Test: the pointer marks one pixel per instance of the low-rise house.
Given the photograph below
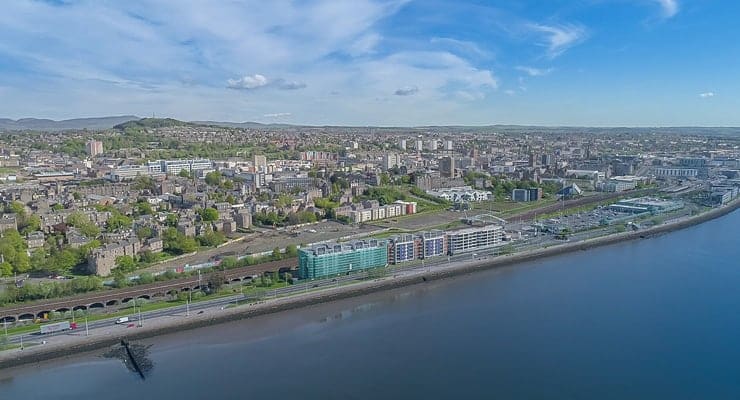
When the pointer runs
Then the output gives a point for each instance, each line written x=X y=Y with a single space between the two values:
x=75 y=239
x=103 y=259
x=35 y=240
x=8 y=221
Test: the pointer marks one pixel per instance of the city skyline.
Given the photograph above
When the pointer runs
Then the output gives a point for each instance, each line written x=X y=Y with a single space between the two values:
x=386 y=63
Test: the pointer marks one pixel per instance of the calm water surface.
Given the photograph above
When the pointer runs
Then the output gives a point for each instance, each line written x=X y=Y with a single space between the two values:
x=657 y=318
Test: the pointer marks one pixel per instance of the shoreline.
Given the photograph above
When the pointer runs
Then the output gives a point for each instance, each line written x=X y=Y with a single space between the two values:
x=37 y=354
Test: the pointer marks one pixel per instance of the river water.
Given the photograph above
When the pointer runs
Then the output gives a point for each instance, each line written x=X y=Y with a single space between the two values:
x=656 y=318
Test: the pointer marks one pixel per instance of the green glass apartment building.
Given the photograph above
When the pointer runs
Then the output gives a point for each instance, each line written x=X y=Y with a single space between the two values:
x=322 y=260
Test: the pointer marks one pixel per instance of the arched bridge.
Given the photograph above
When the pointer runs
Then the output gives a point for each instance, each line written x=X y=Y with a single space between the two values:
x=117 y=297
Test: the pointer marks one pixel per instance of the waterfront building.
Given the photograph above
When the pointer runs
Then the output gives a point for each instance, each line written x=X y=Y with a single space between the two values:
x=474 y=239
x=324 y=260
x=402 y=248
x=646 y=204
x=433 y=244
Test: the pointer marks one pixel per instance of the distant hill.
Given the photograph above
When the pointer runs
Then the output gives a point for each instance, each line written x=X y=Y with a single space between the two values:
x=152 y=123
x=243 y=124
x=37 y=124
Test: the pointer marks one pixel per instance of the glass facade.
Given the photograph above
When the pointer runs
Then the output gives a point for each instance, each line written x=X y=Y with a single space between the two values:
x=327 y=260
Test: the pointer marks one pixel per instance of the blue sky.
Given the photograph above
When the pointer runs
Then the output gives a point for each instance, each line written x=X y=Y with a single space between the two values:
x=375 y=62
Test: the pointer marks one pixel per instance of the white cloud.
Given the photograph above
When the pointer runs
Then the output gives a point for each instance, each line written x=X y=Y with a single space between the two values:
x=406 y=91
x=289 y=85
x=248 y=82
x=668 y=7
x=706 y=95
x=463 y=47
x=364 y=45
x=510 y=92
x=277 y=115
x=559 y=38
x=531 y=71
x=257 y=81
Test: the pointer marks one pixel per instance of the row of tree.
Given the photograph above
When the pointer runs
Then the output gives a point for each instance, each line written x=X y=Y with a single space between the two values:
x=50 y=290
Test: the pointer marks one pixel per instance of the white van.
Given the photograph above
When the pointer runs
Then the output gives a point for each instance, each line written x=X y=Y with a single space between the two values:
x=122 y=320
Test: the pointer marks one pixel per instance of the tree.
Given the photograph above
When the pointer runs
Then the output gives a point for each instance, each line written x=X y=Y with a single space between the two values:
x=148 y=257
x=6 y=269
x=213 y=178
x=183 y=173
x=385 y=180
x=125 y=263
x=118 y=221
x=146 y=277
x=81 y=222
x=17 y=208
x=276 y=254
x=215 y=281
x=77 y=195
x=143 y=208
x=119 y=278
x=209 y=214
x=143 y=182
x=211 y=239
x=229 y=262
x=144 y=232
x=188 y=245
x=172 y=220
x=57 y=207
x=13 y=250
x=291 y=250
x=32 y=224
